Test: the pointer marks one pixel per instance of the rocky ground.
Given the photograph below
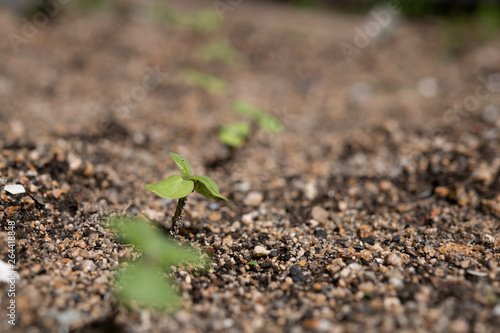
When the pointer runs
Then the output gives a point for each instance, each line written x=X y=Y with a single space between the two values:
x=376 y=210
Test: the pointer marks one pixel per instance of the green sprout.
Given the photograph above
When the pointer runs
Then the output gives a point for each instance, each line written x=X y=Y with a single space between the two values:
x=143 y=282
x=220 y=50
x=208 y=82
x=179 y=187
x=235 y=133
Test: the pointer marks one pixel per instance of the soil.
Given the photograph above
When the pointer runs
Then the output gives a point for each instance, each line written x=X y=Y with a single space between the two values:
x=378 y=209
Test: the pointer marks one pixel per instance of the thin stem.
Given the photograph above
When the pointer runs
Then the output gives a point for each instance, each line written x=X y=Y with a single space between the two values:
x=177 y=218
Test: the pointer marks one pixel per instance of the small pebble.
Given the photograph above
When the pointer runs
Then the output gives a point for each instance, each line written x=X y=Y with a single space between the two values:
x=320 y=233
x=319 y=214
x=56 y=193
x=253 y=198
x=260 y=251
x=296 y=274
x=394 y=259
x=442 y=191
x=342 y=206
x=487 y=239
x=310 y=191
x=14 y=189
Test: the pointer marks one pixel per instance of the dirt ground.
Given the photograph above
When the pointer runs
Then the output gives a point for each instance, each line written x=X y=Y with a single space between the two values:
x=378 y=205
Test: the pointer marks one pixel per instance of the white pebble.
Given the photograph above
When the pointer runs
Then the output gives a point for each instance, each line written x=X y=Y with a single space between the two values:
x=253 y=198
x=428 y=87
x=260 y=251
x=14 y=189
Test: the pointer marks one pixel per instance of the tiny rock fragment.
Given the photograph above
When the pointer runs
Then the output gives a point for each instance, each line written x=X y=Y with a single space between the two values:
x=260 y=251
x=347 y=253
x=56 y=193
x=454 y=247
x=296 y=274
x=391 y=303
x=335 y=266
x=442 y=191
x=247 y=219
x=402 y=208
x=459 y=195
x=316 y=286
x=24 y=180
x=311 y=324
x=482 y=174
x=487 y=239
x=364 y=231
x=384 y=185
x=27 y=202
x=11 y=211
x=342 y=205
x=394 y=259
x=14 y=189
x=215 y=217
x=365 y=255
x=310 y=191
x=477 y=273
x=74 y=162
x=253 y=198
x=319 y=214
x=89 y=169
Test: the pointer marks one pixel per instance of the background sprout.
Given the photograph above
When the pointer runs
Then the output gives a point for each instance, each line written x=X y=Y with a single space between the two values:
x=234 y=134
x=179 y=187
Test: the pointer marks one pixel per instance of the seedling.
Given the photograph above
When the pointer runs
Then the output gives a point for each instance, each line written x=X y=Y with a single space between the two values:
x=221 y=51
x=205 y=81
x=179 y=187
x=234 y=134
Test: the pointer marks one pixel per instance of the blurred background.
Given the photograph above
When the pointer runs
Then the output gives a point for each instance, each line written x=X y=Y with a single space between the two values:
x=143 y=70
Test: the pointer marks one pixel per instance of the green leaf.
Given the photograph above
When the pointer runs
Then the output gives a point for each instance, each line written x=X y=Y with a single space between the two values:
x=253 y=262
x=207 y=187
x=204 y=21
x=270 y=123
x=183 y=165
x=174 y=187
x=218 y=51
x=143 y=284
x=246 y=109
x=153 y=243
x=234 y=134
x=205 y=81
x=263 y=119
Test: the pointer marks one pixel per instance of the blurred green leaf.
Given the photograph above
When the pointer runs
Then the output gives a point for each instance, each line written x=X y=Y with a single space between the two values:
x=234 y=134
x=207 y=187
x=270 y=123
x=263 y=119
x=143 y=284
x=246 y=109
x=218 y=51
x=153 y=243
x=205 y=81
x=205 y=21
x=174 y=187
